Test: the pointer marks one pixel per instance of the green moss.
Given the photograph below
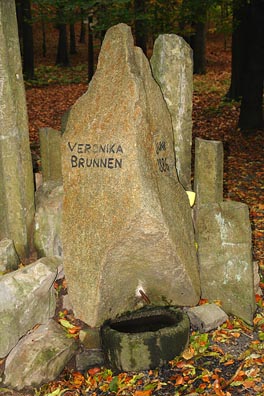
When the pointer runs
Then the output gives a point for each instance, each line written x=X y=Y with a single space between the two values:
x=45 y=356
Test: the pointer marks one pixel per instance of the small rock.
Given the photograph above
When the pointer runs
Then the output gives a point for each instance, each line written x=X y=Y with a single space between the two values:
x=43 y=354
x=206 y=317
x=90 y=338
x=89 y=358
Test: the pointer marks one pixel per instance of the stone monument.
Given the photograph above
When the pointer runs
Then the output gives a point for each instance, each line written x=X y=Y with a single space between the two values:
x=16 y=174
x=126 y=225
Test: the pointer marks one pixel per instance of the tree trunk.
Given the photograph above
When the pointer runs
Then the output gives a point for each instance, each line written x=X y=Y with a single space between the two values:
x=251 y=111
x=62 y=51
x=140 y=25
x=90 y=50
x=82 y=31
x=238 y=50
x=198 y=44
x=44 y=45
x=72 y=40
x=27 y=39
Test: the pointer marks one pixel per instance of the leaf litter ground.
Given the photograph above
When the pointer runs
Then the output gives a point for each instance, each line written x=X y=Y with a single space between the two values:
x=228 y=361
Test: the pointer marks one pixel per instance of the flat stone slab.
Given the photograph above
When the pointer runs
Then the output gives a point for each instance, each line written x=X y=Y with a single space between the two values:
x=39 y=357
x=126 y=223
x=206 y=317
x=223 y=233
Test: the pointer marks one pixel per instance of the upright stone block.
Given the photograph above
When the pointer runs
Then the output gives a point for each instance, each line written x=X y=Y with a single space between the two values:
x=50 y=151
x=126 y=222
x=16 y=175
x=225 y=257
x=208 y=173
x=172 y=67
x=47 y=226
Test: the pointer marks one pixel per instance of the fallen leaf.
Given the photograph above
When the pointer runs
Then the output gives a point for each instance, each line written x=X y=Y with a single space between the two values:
x=94 y=370
x=143 y=393
x=229 y=363
x=188 y=353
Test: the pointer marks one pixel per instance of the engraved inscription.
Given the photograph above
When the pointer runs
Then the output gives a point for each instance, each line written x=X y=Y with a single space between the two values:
x=161 y=151
x=96 y=155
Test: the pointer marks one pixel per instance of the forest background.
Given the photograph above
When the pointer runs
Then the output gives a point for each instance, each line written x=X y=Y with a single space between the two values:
x=192 y=19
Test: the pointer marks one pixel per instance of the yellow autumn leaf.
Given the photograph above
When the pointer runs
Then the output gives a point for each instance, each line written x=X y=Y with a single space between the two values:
x=188 y=353
x=191 y=196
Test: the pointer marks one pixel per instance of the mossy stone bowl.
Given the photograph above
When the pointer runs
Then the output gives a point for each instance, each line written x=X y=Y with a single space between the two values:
x=145 y=339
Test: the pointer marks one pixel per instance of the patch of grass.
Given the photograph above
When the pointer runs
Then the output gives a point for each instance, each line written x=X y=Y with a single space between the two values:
x=50 y=75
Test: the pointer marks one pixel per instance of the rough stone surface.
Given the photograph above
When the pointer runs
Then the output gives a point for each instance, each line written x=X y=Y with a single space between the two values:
x=16 y=174
x=208 y=173
x=172 y=68
x=8 y=256
x=50 y=152
x=89 y=358
x=225 y=257
x=66 y=303
x=42 y=354
x=125 y=214
x=27 y=298
x=47 y=226
x=206 y=317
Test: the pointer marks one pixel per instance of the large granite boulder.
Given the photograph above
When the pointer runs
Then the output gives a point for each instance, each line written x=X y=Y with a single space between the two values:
x=27 y=298
x=127 y=226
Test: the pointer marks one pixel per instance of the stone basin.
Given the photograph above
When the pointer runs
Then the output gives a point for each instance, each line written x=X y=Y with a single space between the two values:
x=145 y=339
